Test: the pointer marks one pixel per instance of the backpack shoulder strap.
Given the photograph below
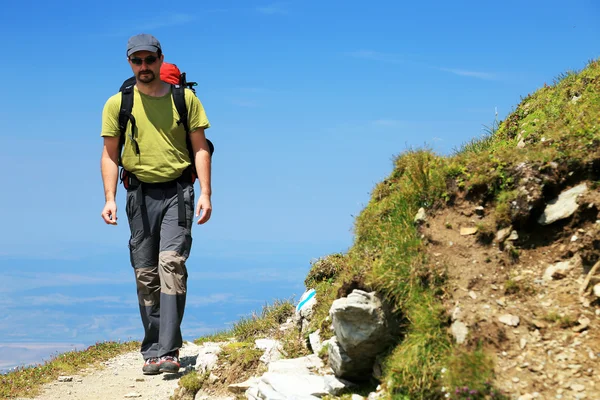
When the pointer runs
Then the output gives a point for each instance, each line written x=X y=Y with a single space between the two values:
x=125 y=116
x=179 y=100
x=181 y=106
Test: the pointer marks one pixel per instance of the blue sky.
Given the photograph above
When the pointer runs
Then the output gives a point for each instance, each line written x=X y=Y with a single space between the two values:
x=309 y=102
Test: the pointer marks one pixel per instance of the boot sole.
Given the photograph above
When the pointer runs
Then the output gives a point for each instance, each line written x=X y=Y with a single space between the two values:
x=171 y=368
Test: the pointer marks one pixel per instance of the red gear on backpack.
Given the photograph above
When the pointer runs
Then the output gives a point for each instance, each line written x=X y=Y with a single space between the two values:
x=170 y=73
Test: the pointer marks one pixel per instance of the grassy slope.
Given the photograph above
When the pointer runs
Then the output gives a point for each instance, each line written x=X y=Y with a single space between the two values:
x=558 y=129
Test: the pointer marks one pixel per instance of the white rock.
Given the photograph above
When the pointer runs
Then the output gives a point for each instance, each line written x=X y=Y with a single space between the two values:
x=502 y=234
x=272 y=350
x=315 y=341
x=563 y=206
x=357 y=397
x=460 y=331
x=306 y=304
x=302 y=385
x=597 y=290
x=472 y=295
x=508 y=319
x=421 y=216
x=514 y=235
x=297 y=365
x=560 y=270
x=239 y=388
x=577 y=387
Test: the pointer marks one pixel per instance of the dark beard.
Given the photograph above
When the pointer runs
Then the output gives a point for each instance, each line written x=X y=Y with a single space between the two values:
x=146 y=76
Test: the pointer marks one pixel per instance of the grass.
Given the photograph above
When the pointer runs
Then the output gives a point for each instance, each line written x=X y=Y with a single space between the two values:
x=27 y=381
x=562 y=320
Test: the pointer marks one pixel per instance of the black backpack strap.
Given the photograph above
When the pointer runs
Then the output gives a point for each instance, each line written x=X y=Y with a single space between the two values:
x=125 y=116
x=180 y=105
x=179 y=100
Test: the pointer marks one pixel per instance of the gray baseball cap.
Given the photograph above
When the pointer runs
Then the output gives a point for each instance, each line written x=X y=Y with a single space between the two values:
x=141 y=42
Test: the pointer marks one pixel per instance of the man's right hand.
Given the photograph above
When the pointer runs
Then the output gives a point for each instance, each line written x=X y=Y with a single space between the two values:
x=109 y=213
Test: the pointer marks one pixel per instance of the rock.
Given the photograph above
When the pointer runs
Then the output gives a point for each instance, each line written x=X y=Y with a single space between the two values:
x=306 y=303
x=132 y=395
x=561 y=269
x=526 y=396
x=522 y=343
x=240 y=388
x=421 y=216
x=459 y=331
x=597 y=290
x=207 y=356
x=584 y=323
x=212 y=378
x=65 y=379
x=502 y=234
x=563 y=206
x=472 y=295
x=272 y=350
x=456 y=313
x=315 y=341
x=301 y=386
x=363 y=329
x=577 y=387
x=514 y=235
x=304 y=365
x=357 y=397
x=508 y=319
x=468 y=230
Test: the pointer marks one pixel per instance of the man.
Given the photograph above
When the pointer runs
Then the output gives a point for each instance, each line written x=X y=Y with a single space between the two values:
x=160 y=196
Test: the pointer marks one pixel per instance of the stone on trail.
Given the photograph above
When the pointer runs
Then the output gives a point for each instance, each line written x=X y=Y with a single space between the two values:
x=508 y=319
x=468 y=230
x=132 y=395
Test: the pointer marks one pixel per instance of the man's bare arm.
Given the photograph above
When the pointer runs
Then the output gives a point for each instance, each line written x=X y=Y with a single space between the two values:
x=110 y=173
x=203 y=170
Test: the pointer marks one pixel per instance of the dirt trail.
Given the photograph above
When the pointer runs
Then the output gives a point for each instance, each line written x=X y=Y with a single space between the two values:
x=121 y=378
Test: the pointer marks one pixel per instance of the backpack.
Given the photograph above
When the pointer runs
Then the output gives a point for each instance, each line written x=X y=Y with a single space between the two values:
x=170 y=74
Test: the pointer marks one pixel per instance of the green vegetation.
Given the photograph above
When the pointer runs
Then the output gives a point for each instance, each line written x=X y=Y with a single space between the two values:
x=564 y=321
x=27 y=381
x=551 y=133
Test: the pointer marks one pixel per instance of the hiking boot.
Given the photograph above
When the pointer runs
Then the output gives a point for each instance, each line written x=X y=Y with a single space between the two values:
x=170 y=363
x=151 y=366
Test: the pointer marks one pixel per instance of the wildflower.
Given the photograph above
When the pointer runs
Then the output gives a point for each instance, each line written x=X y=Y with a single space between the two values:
x=443 y=388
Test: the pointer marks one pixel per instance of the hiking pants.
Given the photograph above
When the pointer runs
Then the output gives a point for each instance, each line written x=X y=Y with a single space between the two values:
x=159 y=247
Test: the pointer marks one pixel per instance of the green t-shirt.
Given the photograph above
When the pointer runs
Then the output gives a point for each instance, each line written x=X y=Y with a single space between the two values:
x=163 y=149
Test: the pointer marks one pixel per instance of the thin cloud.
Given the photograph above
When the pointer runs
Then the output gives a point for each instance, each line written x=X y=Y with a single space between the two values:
x=273 y=9
x=395 y=59
x=62 y=300
x=471 y=74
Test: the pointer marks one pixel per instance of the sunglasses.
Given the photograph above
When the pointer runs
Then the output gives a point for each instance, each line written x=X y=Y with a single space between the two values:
x=148 y=60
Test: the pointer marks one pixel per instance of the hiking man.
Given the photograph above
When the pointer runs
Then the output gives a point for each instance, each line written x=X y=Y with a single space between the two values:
x=157 y=172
